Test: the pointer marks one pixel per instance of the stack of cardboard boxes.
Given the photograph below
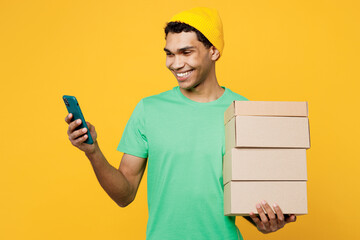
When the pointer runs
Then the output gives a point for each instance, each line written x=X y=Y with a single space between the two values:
x=265 y=156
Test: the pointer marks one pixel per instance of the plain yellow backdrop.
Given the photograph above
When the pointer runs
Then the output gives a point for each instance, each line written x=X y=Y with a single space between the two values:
x=109 y=54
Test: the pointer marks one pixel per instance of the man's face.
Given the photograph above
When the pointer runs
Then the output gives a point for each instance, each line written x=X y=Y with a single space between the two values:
x=187 y=58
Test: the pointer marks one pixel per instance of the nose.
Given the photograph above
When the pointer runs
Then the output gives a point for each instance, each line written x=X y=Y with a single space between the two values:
x=177 y=63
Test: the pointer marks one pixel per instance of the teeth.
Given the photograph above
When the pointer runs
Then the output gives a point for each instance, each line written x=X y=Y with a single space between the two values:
x=183 y=74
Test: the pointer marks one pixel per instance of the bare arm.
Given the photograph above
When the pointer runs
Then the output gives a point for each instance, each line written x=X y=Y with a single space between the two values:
x=120 y=184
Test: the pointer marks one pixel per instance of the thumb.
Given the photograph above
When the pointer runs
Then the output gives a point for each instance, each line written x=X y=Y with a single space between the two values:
x=89 y=125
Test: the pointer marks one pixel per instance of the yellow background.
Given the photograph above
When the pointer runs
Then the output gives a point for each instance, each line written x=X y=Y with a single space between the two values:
x=109 y=55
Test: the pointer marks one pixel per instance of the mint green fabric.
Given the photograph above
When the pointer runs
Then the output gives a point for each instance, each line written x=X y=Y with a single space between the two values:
x=184 y=143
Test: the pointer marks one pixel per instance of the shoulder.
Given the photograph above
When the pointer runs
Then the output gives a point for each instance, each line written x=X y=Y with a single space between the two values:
x=162 y=97
x=236 y=96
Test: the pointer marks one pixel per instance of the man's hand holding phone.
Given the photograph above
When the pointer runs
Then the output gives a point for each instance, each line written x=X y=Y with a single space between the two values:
x=77 y=137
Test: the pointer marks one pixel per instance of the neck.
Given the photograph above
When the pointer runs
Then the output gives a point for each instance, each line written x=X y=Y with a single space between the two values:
x=207 y=91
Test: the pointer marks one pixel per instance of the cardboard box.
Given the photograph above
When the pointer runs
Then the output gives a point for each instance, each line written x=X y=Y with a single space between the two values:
x=241 y=197
x=264 y=164
x=267 y=132
x=266 y=108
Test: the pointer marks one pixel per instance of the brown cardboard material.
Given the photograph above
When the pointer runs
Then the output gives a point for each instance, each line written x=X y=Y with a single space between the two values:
x=241 y=197
x=266 y=108
x=244 y=164
x=267 y=132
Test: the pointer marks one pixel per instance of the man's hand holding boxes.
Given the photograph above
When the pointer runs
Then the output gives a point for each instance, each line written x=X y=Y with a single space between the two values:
x=265 y=156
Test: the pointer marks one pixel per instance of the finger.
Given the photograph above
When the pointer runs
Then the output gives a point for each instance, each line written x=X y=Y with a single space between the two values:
x=263 y=216
x=68 y=118
x=271 y=215
x=257 y=221
x=290 y=219
x=280 y=216
x=73 y=125
x=255 y=218
x=79 y=140
x=74 y=135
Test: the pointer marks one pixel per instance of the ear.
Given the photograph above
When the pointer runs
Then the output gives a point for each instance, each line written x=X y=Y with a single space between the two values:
x=214 y=53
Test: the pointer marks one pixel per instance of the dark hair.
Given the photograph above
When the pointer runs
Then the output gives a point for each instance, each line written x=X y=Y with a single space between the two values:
x=178 y=27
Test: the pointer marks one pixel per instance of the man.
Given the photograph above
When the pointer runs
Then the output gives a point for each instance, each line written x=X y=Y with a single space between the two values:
x=180 y=134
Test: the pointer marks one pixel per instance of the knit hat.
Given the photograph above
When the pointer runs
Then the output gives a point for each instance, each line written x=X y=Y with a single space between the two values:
x=207 y=21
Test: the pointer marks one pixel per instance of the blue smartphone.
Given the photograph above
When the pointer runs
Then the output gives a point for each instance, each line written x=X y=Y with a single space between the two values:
x=73 y=107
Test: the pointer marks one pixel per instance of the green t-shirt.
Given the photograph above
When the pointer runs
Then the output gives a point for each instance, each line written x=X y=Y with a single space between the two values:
x=184 y=142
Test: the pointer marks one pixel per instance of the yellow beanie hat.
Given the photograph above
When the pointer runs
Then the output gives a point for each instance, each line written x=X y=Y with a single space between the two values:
x=207 y=21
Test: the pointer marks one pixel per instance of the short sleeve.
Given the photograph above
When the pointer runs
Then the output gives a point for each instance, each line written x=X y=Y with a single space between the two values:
x=134 y=140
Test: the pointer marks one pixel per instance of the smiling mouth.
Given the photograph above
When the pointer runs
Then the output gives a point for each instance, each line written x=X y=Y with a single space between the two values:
x=184 y=75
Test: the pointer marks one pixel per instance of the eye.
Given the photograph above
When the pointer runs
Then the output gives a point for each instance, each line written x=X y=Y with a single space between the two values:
x=187 y=52
x=168 y=54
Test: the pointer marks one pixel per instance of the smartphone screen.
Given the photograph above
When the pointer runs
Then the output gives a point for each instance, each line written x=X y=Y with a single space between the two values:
x=73 y=107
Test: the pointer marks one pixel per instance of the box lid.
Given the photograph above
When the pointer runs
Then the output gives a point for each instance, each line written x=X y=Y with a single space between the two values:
x=266 y=108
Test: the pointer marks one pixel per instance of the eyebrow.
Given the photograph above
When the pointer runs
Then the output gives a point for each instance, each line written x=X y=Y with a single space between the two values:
x=180 y=49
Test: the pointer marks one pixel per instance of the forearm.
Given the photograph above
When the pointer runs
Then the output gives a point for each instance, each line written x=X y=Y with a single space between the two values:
x=111 y=180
